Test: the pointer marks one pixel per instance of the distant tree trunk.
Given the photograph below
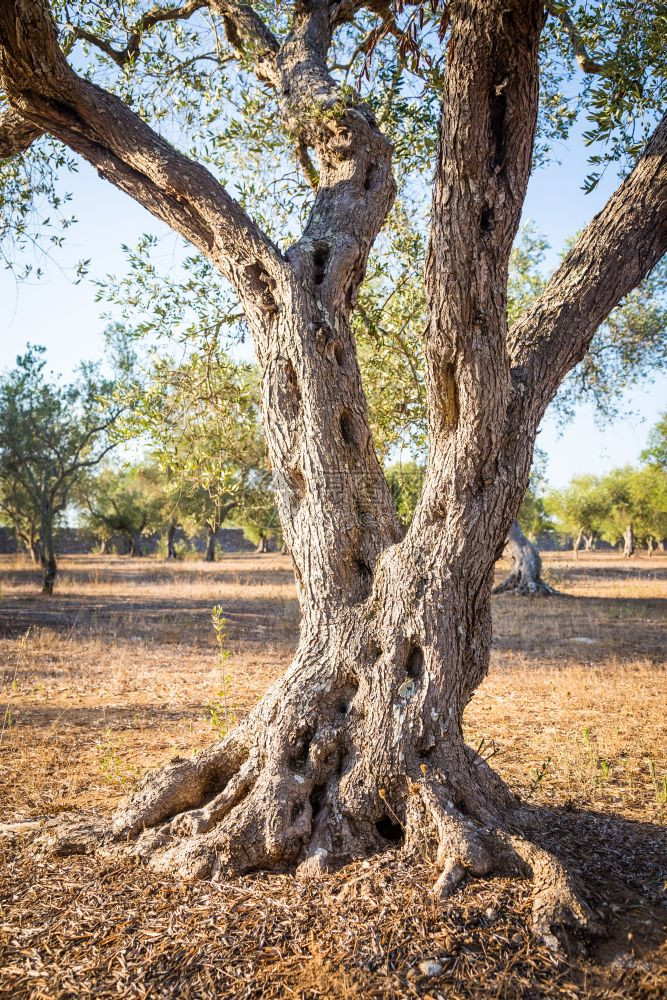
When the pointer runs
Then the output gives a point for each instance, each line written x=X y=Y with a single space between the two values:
x=628 y=542
x=33 y=550
x=171 y=546
x=661 y=545
x=48 y=553
x=210 y=543
x=136 y=545
x=576 y=545
x=650 y=545
x=263 y=544
x=589 y=541
x=525 y=576
x=105 y=545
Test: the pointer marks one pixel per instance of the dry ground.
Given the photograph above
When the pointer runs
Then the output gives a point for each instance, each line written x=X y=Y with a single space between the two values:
x=118 y=672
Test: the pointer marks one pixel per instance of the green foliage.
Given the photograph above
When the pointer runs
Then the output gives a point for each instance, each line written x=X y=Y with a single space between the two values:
x=405 y=481
x=579 y=508
x=606 y=505
x=127 y=501
x=656 y=451
x=51 y=435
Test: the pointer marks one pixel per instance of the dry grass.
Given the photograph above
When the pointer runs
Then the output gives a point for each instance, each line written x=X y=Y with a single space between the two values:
x=116 y=674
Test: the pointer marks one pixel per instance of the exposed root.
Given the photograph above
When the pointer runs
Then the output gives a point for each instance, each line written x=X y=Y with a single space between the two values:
x=465 y=847
x=232 y=810
x=526 y=588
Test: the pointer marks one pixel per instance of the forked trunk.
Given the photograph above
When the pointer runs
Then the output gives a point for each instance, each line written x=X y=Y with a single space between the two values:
x=650 y=545
x=525 y=576
x=263 y=544
x=628 y=541
x=589 y=541
x=359 y=745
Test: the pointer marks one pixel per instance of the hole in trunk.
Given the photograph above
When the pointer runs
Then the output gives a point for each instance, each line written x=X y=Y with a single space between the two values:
x=389 y=829
x=415 y=662
x=461 y=807
x=347 y=427
x=317 y=799
x=368 y=179
x=486 y=219
x=320 y=259
x=301 y=748
x=339 y=354
x=295 y=811
x=346 y=697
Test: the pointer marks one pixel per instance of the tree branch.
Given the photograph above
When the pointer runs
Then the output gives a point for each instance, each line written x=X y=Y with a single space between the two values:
x=610 y=258
x=586 y=63
x=156 y=16
x=43 y=88
x=251 y=37
x=486 y=137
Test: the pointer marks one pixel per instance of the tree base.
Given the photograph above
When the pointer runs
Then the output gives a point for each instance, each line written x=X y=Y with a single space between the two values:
x=216 y=817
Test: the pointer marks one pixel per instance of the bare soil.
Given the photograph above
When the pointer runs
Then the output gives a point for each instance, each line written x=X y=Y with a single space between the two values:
x=119 y=672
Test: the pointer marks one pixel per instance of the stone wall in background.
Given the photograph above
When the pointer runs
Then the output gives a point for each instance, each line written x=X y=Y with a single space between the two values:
x=76 y=541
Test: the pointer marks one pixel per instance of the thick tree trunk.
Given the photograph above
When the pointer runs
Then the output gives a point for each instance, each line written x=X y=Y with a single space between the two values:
x=628 y=541
x=210 y=544
x=171 y=545
x=105 y=545
x=359 y=745
x=525 y=577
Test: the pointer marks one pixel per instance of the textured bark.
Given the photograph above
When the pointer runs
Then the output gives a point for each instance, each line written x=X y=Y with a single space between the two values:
x=360 y=744
x=525 y=577
x=628 y=541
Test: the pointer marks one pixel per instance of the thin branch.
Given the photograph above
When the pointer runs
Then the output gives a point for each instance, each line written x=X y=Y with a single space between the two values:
x=610 y=258
x=586 y=63
x=43 y=88
x=156 y=16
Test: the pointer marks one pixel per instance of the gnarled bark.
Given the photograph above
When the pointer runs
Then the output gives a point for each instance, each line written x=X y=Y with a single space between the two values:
x=525 y=576
x=360 y=745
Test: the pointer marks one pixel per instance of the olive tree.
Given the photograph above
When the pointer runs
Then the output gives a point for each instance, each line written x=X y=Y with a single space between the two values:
x=360 y=744
x=51 y=434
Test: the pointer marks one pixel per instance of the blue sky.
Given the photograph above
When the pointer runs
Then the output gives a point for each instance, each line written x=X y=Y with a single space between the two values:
x=66 y=319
